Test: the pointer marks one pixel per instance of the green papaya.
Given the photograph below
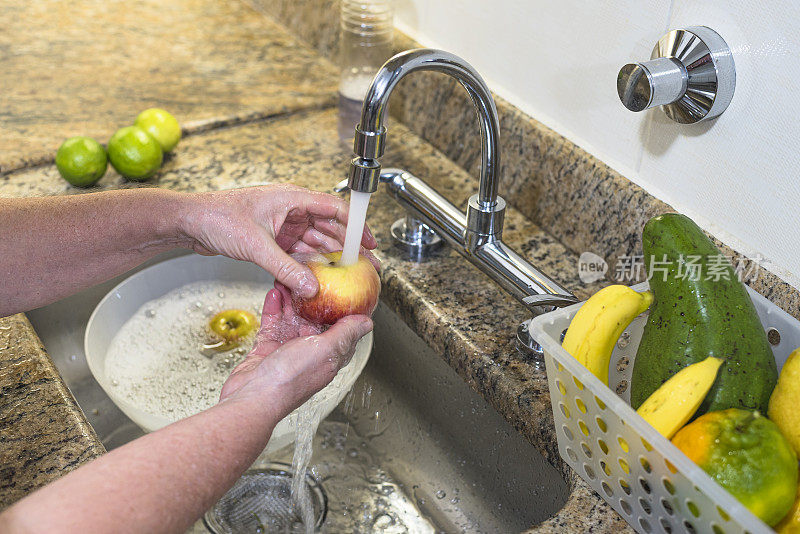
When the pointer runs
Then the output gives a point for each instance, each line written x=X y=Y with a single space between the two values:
x=700 y=309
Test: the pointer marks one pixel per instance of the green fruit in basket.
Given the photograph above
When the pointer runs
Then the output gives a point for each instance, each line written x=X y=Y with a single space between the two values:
x=161 y=125
x=701 y=309
x=81 y=161
x=134 y=153
x=747 y=455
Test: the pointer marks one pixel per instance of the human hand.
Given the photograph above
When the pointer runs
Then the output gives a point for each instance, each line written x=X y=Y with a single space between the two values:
x=292 y=358
x=265 y=224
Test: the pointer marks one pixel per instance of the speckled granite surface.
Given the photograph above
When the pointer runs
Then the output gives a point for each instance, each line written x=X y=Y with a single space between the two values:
x=435 y=298
x=43 y=433
x=88 y=67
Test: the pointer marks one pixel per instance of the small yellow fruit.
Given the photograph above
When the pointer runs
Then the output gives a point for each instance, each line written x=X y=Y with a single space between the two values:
x=161 y=125
x=785 y=400
x=231 y=326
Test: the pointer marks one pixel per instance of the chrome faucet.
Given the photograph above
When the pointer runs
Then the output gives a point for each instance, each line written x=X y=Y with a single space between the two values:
x=475 y=234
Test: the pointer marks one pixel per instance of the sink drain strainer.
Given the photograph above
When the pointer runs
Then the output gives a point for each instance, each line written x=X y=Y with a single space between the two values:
x=261 y=502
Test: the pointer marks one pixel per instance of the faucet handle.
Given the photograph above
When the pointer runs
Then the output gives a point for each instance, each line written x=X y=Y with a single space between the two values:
x=415 y=238
x=691 y=75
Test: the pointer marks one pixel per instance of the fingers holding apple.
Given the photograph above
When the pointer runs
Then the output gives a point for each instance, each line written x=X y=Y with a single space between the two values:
x=343 y=289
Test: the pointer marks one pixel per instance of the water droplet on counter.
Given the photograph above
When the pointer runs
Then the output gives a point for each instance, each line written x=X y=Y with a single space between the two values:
x=454 y=500
x=73 y=357
x=150 y=314
x=198 y=304
x=115 y=382
x=441 y=494
x=221 y=295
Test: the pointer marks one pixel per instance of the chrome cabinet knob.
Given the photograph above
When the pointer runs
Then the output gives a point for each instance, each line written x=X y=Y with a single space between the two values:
x=690 y=74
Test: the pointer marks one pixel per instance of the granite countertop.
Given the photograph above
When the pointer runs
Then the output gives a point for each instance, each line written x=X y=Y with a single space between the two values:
x=89 y=67
x=446 y=300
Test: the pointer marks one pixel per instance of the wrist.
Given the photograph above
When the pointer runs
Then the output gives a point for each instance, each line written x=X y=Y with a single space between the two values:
x=152 y=216
x=265 y=405
x=186 y=214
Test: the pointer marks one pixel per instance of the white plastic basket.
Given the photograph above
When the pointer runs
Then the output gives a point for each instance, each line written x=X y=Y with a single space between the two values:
x=645 y=478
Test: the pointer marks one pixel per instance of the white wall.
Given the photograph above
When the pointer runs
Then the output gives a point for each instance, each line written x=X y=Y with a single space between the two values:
x=557 y=61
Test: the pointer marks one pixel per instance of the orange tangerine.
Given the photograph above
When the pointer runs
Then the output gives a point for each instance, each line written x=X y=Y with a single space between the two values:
x=748 y=456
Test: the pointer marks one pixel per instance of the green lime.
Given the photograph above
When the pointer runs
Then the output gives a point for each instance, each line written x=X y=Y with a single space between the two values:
x=161 y=125
x=134 y=153
x=81 y=161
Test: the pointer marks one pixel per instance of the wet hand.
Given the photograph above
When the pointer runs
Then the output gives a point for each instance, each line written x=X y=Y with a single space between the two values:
x=292 y=359
x=265 y=224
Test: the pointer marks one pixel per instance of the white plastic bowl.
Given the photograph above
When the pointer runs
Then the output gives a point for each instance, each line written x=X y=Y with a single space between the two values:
x=130 y=295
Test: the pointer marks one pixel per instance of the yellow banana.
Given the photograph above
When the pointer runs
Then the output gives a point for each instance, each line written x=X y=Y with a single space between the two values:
x=674 y=403
x=598 y=324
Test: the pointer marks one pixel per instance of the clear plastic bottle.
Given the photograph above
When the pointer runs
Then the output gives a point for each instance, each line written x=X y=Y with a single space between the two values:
x=367 y=31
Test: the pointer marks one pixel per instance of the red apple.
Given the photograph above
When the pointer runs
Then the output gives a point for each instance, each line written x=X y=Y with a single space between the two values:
x=343 y=290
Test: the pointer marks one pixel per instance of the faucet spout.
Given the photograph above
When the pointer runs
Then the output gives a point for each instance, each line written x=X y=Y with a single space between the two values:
x=476 y=233
x=371 y=133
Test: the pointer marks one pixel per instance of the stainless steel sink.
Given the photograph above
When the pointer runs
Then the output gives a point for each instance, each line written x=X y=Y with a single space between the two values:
x=411 y=449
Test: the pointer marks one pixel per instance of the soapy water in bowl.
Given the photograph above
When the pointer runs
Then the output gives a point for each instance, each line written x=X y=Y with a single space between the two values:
x=157 y=362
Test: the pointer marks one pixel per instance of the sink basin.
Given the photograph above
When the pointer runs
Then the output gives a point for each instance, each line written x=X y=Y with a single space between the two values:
x=410 y=449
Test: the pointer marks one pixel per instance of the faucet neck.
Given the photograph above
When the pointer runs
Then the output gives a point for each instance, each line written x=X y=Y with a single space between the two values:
x=371 y=132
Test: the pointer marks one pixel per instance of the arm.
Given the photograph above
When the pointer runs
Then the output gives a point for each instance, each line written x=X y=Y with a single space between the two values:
x=55 y=246
x=164 y=481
